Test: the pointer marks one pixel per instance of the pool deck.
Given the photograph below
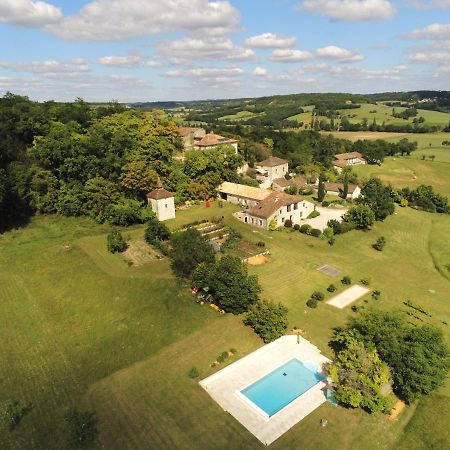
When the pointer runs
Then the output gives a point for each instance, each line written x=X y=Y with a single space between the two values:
x=225 y=387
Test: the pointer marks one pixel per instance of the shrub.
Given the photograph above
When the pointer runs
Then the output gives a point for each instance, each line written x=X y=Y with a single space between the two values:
x=11 y=413
x=193 y=373
x=346 y=280
x=224 y=355
x=296 y=227
x=312 y=303
x=376 y=294
x=314 y=214
x=115 y=242
x=404 y=203
x=233 y=350
x=318 y=295
x=220 y=359
x=379 y=244
x=305 y=229
x=268 y=320
x=156 y=231
x=82 y=428
x=316 y=232
x=331 y=288
x=325 y=204
x=261 y=244
x=288 y=223
x=365 y=281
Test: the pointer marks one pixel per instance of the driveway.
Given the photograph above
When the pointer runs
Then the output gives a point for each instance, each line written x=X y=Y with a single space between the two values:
x=326 y=214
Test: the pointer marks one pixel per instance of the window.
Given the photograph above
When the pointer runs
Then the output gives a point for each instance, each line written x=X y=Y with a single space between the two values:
x=288 y=208
x=166 y=206
x=295 y=205
x=260 y=223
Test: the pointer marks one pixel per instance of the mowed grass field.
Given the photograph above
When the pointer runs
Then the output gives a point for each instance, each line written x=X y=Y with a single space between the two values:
x=82 y=329
x=412 y=170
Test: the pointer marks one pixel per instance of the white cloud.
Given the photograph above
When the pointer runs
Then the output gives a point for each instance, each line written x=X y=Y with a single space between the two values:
x=120 y=61
x=429 y=4
x=28 y=13
x=434 y=31
x=289 y=55
x=48 y=68
x=206 y=72
x=109 y=20
x=350 y=10
x=259 y=71
x=430 y=57
x=270 y=40
x=191 y=50
x=339 y=54
x=391 y=73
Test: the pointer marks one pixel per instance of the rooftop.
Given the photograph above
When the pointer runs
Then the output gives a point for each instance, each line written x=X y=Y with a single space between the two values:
x=214 y=139
x=349 y=155
x=273 y=161
x=297 y=181
x=241 y=190
x=159 y=192
x=339 y=187
x=272 y=203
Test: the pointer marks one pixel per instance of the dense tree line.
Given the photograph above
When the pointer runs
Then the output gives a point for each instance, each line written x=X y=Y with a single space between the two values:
x=73 y=159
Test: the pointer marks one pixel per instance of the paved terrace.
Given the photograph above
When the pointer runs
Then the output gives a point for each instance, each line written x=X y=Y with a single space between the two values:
x=226 y=385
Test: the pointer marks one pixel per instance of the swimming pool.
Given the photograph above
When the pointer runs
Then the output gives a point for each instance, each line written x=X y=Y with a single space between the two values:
x=282 y=386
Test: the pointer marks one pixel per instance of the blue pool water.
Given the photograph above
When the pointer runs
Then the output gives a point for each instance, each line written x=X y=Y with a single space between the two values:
x=282 y=386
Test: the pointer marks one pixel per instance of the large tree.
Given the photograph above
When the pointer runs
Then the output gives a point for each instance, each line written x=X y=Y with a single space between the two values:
x=268 y=319
x=358 y=373
x=378 y=197
x=189 y=249
x=232 y=288
x=417 y=355
x=362 y=216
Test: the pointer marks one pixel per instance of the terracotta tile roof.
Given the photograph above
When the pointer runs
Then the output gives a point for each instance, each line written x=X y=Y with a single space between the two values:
x=350 y=155
x=339 y=187
x=276 y=200
x=241 y=190
x=297 y=181
x=214 y=139
x=340 y=163
x=159 y=193
x=273 y=161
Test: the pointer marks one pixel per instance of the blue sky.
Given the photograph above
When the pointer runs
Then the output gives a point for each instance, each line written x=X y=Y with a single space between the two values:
x=149 y=50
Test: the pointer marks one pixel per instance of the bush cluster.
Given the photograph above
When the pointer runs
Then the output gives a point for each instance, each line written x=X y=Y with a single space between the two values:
x=115 y=242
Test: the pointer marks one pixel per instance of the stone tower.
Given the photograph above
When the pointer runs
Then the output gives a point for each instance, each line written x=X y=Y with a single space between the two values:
x=162 y=202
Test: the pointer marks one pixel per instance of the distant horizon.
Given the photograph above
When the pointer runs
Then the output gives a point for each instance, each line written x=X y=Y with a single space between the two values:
x=198 y=50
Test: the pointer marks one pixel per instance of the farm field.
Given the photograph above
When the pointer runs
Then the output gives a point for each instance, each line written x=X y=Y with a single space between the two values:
x=381 y=113
x=94 y=333
x=413 y=170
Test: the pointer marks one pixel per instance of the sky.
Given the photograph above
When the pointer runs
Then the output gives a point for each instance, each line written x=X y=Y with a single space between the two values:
x=155 y=50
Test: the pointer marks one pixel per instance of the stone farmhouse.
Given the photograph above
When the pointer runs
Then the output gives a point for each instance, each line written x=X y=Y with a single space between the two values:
x=162 y=202
x=262 y=206
x=276 y=209
x=354 y=191
x=198 y=139
x=240 y=194
x=348 y=159
x=271 y=169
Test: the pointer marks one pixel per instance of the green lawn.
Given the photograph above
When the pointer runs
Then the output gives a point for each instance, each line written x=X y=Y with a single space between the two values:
x=412 y=170
x=81 y=328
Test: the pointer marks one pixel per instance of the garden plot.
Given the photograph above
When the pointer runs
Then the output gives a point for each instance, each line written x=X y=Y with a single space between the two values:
x=139 y=253
x=349 y=296
x=329 y=270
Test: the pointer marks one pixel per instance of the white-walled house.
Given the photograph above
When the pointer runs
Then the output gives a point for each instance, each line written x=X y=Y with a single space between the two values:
x=269 y=170
x=354 y=191
x=277 y=207
x=348 y=159
x=162 y=202
x=240 y=194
